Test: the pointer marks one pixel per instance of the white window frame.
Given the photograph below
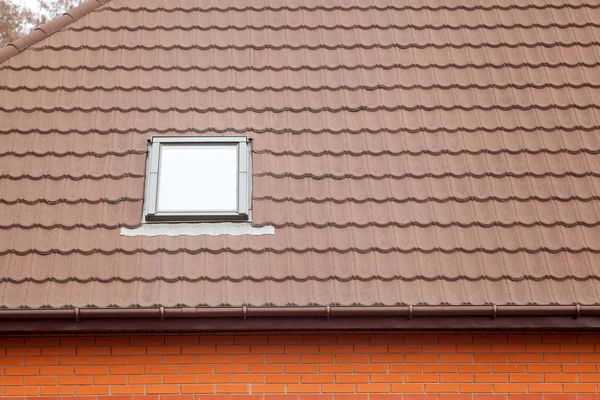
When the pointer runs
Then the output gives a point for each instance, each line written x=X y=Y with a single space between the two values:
x=244 y=180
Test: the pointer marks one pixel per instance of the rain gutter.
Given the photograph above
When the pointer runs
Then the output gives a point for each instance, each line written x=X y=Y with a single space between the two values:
x=164 y=319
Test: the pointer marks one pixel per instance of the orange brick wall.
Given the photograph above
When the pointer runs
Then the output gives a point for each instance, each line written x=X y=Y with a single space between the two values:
x=303 y=366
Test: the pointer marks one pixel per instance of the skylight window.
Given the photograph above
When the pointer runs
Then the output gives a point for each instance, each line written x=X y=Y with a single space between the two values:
x=198 y=179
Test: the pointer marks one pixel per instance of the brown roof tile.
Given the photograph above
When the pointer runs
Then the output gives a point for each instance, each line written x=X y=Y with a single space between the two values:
x=406 y=152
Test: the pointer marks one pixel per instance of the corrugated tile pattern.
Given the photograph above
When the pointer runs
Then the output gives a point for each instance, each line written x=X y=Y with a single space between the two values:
x=407 y=152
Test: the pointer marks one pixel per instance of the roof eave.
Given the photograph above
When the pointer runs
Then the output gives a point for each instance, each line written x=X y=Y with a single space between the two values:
x=205 y=319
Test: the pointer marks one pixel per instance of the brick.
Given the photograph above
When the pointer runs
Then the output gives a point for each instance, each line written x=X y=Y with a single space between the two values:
x=490 y=338
x=145 y=380
x=560 y=397
x=439 y=348
x=139 y=360
x=197 y=388
x=545 y=388
x=308 y=369
x=40 y=361
x=42 y=341
x=519 y=396
x=214 y=359
x=147 y=340
x=250 y=378
x=285 y=339
x=421 y=358
x=510 y=368
x=405 y=348
x=559 y=338
x=578 y=368
x=408 y=388
x=387 y=378
x=351 y=378
x=177 y=397
x=114 y=398
x=303 y=388
x=381 y=358
x=370 y=368
x=473 y=348
x=583 y=357
x=40 y=381
x=127 y=390
x=166 y=369
x=56 y=370
x=214 y=378
x=448 y=368
x=543 y=367
x=9 y=361
x=169 y=379
x=372 y=388
x=94 y=351
x=351 y=396
x=76 y=341
x=294 y=378
x=84 y=370
x=542 y=348
x=476 y=388
x=23 y=351
x=491 y=358
x=92 y=389
x=198 y=350
x=269 y=369
x=555 y=378
x=163 y=349
x=320 y=378
x=490 y=396
x=74 y=380
x=366 y=348
x=456 y=358
x=128 y=350
x=421 y=378
x=180 y=359
x=58 y=351
x=337 y=388
x=317 y=358
x=508 y=348
x=262 y=388
x=249 y=359
x=110 y=380
x=579 y=388
x=216 y=339
x=127 y=370
x=359 y=358
x=233 y=349
x=333 y=368
x=190 y=369
x=563 y=358
x=12 y=342
x=441 y=388
x=491 y=378
x=57 y=390
x=403 y=368
x=233 y=388
x=510 y=388
x=21 y=391
x=232 y=368
x=162 y=389
x=353 y=339
x=267 y=349
x=111 y=360
x=113 y=341
x=588 y=378
x=524 y=338
x=482 y=368
x=21 y=371
x=526 y=378
x=251 y=339
x=337 y=349
x=456 y=378
x=525 y=358
x=424 y=396
x=181 y=340
x=76 y=360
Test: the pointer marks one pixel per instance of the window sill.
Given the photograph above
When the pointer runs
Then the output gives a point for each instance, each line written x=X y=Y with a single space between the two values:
x=199 y=229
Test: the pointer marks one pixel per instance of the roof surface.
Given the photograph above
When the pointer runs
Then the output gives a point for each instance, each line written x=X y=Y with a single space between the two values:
x=407 y=152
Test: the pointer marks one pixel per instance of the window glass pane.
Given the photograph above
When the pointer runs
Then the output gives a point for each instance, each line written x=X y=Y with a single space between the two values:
x=197 y=178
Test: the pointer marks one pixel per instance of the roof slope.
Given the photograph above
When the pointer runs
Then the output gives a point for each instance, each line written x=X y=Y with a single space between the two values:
x=407 y=152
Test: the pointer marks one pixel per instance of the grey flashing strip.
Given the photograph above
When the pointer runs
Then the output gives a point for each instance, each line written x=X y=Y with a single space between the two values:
x=199 y=229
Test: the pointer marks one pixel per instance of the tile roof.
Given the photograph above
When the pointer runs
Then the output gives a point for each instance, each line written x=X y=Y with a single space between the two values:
x=436 y=152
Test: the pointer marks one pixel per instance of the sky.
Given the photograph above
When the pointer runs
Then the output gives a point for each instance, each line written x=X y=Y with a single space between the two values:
x=33 y=4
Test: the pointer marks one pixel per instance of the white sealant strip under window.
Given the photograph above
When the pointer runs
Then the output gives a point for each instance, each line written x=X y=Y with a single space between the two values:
x=199 y=229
